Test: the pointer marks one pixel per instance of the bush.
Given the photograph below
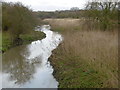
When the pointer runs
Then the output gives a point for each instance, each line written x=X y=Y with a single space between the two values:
x=106 y=13
x=17 y=19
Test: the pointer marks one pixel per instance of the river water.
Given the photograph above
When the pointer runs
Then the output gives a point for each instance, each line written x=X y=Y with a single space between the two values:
x=27 y=66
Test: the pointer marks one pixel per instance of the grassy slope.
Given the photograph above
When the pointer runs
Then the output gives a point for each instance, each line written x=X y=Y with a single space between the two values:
x=27 y=38
x=85 y=59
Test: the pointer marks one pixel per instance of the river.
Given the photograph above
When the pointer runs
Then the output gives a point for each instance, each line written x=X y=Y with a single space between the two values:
x=27 y=66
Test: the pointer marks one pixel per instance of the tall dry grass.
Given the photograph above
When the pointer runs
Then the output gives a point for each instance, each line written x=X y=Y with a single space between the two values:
x=98 y=49
x=62 y=25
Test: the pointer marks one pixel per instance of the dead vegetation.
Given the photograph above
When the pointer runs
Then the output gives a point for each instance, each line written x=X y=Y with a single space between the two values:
x=84 y=51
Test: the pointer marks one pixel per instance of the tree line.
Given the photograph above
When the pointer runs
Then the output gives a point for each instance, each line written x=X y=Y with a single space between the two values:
x=102 y=14
x=17 y=19
x=105 y=12
x=60 y=14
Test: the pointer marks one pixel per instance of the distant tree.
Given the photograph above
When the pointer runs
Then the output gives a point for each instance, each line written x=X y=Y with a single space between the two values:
x=74 y=9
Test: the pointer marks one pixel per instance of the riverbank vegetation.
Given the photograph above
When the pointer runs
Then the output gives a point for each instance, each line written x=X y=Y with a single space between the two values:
x=88 y=55
x=7 y=41
x=85 y=59
x=18 y=23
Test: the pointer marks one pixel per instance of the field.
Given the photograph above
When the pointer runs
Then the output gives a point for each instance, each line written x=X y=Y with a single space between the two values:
x=85 y=58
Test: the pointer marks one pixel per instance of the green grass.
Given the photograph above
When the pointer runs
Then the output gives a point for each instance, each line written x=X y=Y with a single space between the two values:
x=7 y=42
x=74 y=72
x=33 y=36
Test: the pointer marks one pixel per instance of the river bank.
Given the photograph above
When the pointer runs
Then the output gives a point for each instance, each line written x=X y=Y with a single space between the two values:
x=18 y=25
x=27 y=66
x=27 y=38
x=85 y=59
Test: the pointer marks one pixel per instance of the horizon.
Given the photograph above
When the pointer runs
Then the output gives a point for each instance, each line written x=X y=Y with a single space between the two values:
x=51 y=6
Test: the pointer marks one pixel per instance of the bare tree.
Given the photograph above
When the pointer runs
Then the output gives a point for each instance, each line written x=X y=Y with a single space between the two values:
x=106 y=11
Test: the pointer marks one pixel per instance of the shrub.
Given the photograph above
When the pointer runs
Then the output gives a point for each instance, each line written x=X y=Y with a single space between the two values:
x=17 y=19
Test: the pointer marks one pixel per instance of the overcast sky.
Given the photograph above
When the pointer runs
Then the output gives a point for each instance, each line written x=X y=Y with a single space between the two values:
x=51 y=5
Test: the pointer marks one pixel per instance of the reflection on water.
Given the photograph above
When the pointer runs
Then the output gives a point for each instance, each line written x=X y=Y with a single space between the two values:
x=28 y=66
x=17 y=66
